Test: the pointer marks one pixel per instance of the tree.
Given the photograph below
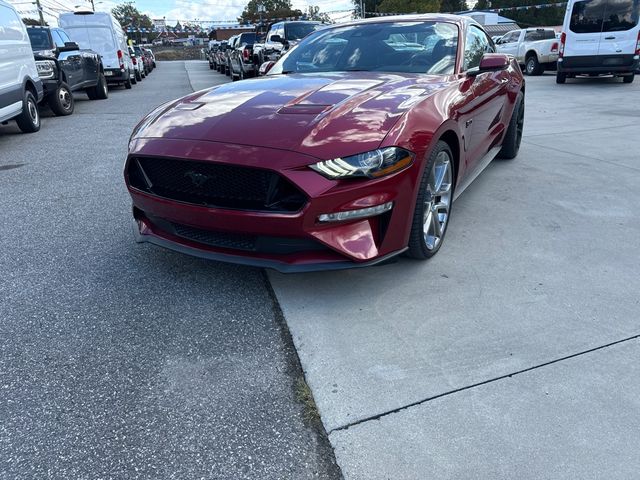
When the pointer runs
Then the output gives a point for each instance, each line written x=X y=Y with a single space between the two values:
x=272 y=9
x=32 y=22
x=529 y=17
x=130 y=17
x=369 y=6
x=409 y=6
x=452 y=6
x=313 y=13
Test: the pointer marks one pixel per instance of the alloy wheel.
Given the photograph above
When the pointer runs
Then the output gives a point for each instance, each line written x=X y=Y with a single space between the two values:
x=437 y=201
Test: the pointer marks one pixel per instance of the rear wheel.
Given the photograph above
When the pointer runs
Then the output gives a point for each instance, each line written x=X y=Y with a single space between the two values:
x=629 y=78
x=513 y=137
x=61 y=101
x=29 y=120
x=127 y=83
x=561 y=77
x=532 y=66
x=138 y=76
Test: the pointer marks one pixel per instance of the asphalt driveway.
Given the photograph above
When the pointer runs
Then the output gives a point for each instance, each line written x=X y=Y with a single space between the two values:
x=120 y=360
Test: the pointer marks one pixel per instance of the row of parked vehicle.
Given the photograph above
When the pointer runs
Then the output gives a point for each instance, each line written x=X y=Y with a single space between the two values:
x=599 y=37
x=49 y=65
x=243 y=55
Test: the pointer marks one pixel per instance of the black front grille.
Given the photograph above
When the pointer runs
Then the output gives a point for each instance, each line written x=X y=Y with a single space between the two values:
x=235 y=241
x=215 y=185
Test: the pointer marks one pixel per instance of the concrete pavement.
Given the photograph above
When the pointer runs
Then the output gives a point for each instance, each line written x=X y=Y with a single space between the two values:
x=541 y=262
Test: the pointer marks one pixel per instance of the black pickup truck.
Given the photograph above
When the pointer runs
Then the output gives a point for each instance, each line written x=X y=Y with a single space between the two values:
x=64 y=68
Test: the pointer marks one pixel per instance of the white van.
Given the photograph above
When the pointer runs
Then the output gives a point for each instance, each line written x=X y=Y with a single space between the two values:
x=101 y=32
x=600 y=37
x=20 y=86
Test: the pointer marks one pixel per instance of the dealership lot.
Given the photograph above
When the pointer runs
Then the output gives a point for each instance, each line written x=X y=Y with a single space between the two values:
x=512 y=354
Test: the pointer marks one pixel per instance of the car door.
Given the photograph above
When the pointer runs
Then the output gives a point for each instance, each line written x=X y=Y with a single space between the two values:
x=585 y=28
x=11 y=60
x=509 y=43
x=485 y=98
x=71 y=62
x=619 y=33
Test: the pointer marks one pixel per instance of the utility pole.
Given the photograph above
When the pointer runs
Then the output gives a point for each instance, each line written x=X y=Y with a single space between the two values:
x=40 y=13
x=362 y=15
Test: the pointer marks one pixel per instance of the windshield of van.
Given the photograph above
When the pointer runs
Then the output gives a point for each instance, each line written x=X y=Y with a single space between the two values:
x=595 y=16
x=413 y=47
x=39 y=39
x=98 y=39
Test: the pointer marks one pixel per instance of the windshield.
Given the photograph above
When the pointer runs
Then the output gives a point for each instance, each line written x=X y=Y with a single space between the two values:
x=99 y=39
x=413 y=47
x=297 y=31
x=39 y=39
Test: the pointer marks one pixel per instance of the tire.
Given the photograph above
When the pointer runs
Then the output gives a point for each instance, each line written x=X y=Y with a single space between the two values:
x=241 y=74
x=513 y=137
x=127 y=83
x=433 y=211
x=101 y=90
x=629 y=78
x=533 y=67
x=227 y=70
x=61 y=101
x=138 y=76
x=210 y=66
x=561 y=77
x=29 y=120
x=134 y=80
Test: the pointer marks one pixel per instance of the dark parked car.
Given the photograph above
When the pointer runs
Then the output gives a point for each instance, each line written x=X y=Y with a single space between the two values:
x=350 y=151
x=144 y=58
x=241 y=57
x=64 y=68
x=280 y=38
x=152 y=58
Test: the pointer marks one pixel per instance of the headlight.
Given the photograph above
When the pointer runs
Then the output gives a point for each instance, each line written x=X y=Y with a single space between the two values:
x=374 y=164
x=46 y=68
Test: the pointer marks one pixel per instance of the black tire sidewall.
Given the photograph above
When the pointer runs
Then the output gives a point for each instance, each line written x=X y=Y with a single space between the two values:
x=417 y=246
x=56 y=105
x=24 y=120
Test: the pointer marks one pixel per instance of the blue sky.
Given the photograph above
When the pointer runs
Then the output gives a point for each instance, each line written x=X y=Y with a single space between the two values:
x=172 y=10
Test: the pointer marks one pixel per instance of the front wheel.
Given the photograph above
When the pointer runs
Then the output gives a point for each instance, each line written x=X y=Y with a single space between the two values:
x=29 y=120
x=513 y=137
x=61 y=101
x=433 y=205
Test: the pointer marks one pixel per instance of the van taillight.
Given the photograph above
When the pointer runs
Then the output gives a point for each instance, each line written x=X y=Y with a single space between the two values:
x=120 y=59
x=554 y=47
x=638 y=44
x=245 y=54
x=563 y=39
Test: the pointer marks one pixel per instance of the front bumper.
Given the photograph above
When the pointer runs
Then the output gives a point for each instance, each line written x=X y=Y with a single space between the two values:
x=602 y=64
x=277 y=240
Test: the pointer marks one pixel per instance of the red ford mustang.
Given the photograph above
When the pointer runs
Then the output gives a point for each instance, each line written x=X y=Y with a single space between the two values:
x=349 y=151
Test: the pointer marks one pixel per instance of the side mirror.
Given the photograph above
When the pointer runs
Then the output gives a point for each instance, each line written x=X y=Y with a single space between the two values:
x=276 y=38
x=69 y=47
x=265 y=67
x=491 y=62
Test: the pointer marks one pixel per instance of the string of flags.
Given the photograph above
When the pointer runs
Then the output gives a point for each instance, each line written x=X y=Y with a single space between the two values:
x=198 y=28
x=493 y=10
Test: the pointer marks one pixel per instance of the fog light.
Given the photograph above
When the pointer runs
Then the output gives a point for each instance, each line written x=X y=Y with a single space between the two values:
x=352 y=214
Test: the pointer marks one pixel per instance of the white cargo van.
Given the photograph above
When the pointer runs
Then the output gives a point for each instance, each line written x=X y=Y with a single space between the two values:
x=20 y=86
x=101 y=32
x=600 y=37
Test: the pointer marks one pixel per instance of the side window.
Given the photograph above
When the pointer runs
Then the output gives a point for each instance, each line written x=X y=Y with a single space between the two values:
x=57 y=39
x=532 y=36
x=511 y=37
x=475 y=46
x=63 y=35
x=621 y=16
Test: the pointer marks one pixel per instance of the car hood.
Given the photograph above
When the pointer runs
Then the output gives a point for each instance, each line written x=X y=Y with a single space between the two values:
x=323 y=115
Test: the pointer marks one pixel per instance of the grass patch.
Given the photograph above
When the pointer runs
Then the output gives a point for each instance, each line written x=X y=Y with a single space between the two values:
x=305 y=397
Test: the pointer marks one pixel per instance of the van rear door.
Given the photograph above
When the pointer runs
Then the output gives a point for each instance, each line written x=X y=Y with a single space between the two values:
x=585 y=28
x=619 y=28
x=97 y=38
